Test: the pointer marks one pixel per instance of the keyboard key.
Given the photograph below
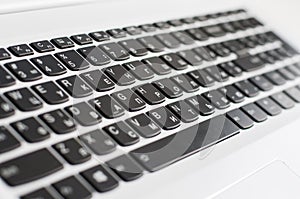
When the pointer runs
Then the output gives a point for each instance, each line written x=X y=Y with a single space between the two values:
x=217 y=73
x=139 y=70
x=168 y=88
x=283 y=100
x=119 y=75
x=150 y=94
x=21 y=50
x=115 y=51
x=6 y=79
x=98 y=142
x=186 y=83
x=214 y=31
x=269 y=106
x=51 y=93
x=134 y=48
x=217 y=98
x=197 y=34
x=262 y=83
x=295 y=69
x=293 y=93
x=63 y=42
x=100 y=36
x=126 y=168
x=237 y=47
x=75 y=86
x=175 y=22
x=6 y=110
x=58 y=121
x=152 y=44
x=24 y=71
x=157 y=65
x=168 y=40
x=98 y=81
x=31 y=130
x=202 y=78
x=275 y=78
x=205 y=53
x=49 y=65
x=255 y=113
x=175 y=61
x=247 y=88
x=162 y=25
x=191 y=57
x=82 y=39
x=183 y=38
x=286 y=74
x=183 y=111
x=4 y=54
x=41 y=193
x=143 y=125
x=133 y=30
x=129 y=100
x=219 y=49
x=233 y=94
x=117 y=33
x=266 y=58
x=231 y=68
x=166 y=119
x=184 y=143
x=72 y=151
x=71 y=188
x=72 y=60
x=94 y=55
x=24 y=99
x=8 y=142
x=122 y=133
x=201 y=105
x=240 y=119
x=42 y=46
x=21 y=170
x=250 y=63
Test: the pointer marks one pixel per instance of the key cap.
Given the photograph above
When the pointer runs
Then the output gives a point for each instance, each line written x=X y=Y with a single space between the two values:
x=49 y=65
x=237 y=47
x=228 y=27
x=143 y=125
x=201 y=105
x=4 y=54
x=293 y=93
x=6 y=110
x=250 y=63
x=100 y=179
x=175 y=22
x=150 y=94
x=286 y=74
x=219 y=49
x=183 y=111
x=240 y=119
x=266 y=58
x=58 y=121
x=129 y=100
x=186 y=83
x=98 y=81
x=166 y=119
x=218 y=99
x=183 y=38
x=233 y=94
x=72 y=60
x=119 y=75
x=117 y=33
x=202 y=78
x=99 y=36
x=133 y=30
x=148 y=27
x=191 y=57
x=168 y=40
x=168 y=88
x=84 y=114
x=126 y=168
x=157 y=65
x=50 y=93
x=115 y=51
x=275 y=78
x=94 y=55
x=166 y=151
x=205 y=53
x=82 y=39
x=8 y=142
x=231 y=68
x=269 y=106
x=108 y=107
x=71 y=188
x=283 y=100
x=217 y=73
x=6 y=79
x=21 y=170
x=42 y=46
x=24 y=71
x=254 y=112
x=62 y=42
x=134 y=48
x=75 y=86
x=72 y=151
x=139 y=70
x=162 y=25
x=214 y=31
x=247 y=88
x=41 y=193
x=152 y=44
x=31 y=130
x=122 y=134
x=175 y=61
x=98 y=142
x=21 y=50
x=197 y=34
x=188 y=20
x=24 y=100
x=262 y=83
x=294 y=69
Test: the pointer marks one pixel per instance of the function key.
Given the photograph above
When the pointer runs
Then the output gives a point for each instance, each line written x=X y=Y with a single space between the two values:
x=4 y=54
x=82 y=39
x=49 y=65
x=72 y=60
x=42 y=46
x=63 y=42
x=162 y=25
x=133 y=30
x=24 y=70
x=21 y=50
x=41 y=193
x=94 y=55
x=115 y=51
x=75 y=86
x=117 y=33
x=6 y=79
x=8 y=142
x=99 y=36
x=148 y=27
x=6 y=110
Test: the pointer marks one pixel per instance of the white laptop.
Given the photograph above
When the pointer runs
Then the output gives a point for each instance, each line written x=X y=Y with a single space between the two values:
x=149 y=99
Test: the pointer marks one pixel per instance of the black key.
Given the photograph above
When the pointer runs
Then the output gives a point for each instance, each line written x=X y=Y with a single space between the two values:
x=214 y=31
x=247 y=88
x=4 y=54
x=148 y=27
x=108 y=107
x=119 y=75
x=283 y=100
x=217 y=98
x=269 y=106
x=84 y=114
x=134 y=48
x=202 y=78
x=183 y=37
x=21 y=170
x=82 y=39
x=247 y=42
x=198 y=34
x=295 y=69
x=188 y=20
x=51 y=93
x=275 y=78
x=72 y=151
x=6 y=79
x=275 y=55
x=139 y=70
x=262 y=83
x=122 y=133
x=115 y=51
x=184 y=143
x=100 y=179
x=126 y=168
x=6 y=110
x=75 y=86
x=183 y=111
x=166 y=119
x=162 y=25
x=49 y=65
x=286 y=74
x=41 y=193
x=217 y=73
x=98 y=81
x=240 y=119
x=117 y=33
x=72 y=60
x=94 y=55
x=31 y=130
x=201 y=105
x=293 y=93
x=58 y=121
x=168 y=88
x=250 y=63
x=219 y=49
x=24 y=71
x=129 y=100
x=8 y=142
x=231 y=68
x=254 y=112
x=175 y=22
x=143 y=125
x=266 y=58
x=157 y=65
x=228 y=27
x=98 y=142
x=71 y=188
x=21 y=50
x=150 y=94
x=175 y=61
x=24 y=99
x=100 y=36
x=236 y=47
x=62 y=42
x=42 y=46
x=133 y=30
x=191 y=57
x=168 y=40
x=186 y=83
x=233 y=94
x=152 y=44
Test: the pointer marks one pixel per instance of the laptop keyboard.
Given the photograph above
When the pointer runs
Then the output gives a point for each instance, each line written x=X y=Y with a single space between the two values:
x=136 y=99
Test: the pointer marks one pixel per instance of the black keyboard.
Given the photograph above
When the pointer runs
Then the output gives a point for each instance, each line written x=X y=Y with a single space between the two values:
x=172 y=83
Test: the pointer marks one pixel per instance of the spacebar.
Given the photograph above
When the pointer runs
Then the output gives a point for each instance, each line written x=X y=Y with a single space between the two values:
x=168 y=150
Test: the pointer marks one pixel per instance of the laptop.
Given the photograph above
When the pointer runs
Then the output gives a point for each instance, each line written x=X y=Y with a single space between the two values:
x=148 y=99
